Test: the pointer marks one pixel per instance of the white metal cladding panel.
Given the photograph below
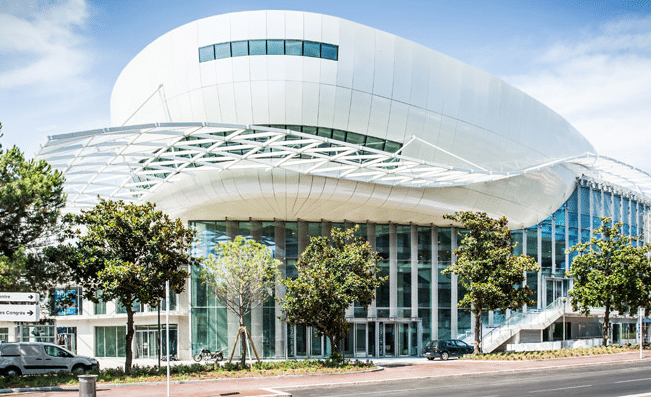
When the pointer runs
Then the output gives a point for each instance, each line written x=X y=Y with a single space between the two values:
x=419 y=77
x=197 y=105
x=328 y=73
x=379 y=119
x=275 y=24
x=208 y=73
x=312 y=27
x=451 y=88
x=239 y=26
x=294 y=21
x=226 y=99
x=330 y=29
x=277 y=95
x=260 y=102
x=293 y=102
x=342 y=108
x=402 y=71
x=326 y=104
x=363 y=47
x=211 y=104
x=473 y=98
x=311 y=69
x=397 y=121
x=384 y=63
x=415 y=122
x=493 y=107
x=258 y=67
x=360 y=110
x=257 y=25
x=241 y=69
x=225 y=71
x=277 y=68
x=294 y=68
x=310 y=105
x=346 y=55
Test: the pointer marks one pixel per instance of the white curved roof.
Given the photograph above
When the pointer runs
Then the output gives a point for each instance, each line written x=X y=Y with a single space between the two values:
x=132 y=162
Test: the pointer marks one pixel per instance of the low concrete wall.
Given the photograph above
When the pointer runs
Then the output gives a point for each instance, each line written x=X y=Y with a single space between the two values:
x=556 y=345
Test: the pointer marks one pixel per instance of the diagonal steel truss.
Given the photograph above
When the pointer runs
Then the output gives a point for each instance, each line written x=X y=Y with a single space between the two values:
x=129 y=162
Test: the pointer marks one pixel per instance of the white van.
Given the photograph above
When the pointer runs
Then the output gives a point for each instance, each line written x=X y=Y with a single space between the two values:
x=32 y=358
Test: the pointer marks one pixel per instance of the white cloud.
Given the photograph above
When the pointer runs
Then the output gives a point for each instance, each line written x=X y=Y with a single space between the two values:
x=42 y=45
x=601 y=84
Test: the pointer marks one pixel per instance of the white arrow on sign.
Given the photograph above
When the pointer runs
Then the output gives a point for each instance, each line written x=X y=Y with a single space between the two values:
x=19 y=313
x=18 y=297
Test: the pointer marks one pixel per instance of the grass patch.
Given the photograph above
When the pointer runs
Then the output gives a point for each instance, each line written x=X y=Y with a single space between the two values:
x=193 y=372
x=548 y=354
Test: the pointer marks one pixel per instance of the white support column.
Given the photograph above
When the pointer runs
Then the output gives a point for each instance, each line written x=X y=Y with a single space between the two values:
x=553 y=247
x=281 y=328
x=434 y=290
x=393 y=271
x=524 y=252
x=454 y=288
x=413 y=239
x=541 y=287
x=370 y=232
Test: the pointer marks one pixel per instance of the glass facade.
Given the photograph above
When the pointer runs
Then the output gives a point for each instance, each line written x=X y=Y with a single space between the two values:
x=269 y=47
x=418 y=302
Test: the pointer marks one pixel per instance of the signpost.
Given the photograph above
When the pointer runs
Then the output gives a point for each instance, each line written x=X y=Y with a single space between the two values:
x=19 y=297
x=19 y=306
x=19 y=313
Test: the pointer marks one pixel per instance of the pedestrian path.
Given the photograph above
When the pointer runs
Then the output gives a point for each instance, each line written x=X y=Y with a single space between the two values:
x=395 y=369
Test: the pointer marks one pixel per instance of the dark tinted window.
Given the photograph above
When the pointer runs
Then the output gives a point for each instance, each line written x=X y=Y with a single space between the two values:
x=293 y=47
x=240 y=48
x=275 y=47
x=223 y=50
x=311 y=49
x=257 y=47
x=329 y=51
x=206 y=53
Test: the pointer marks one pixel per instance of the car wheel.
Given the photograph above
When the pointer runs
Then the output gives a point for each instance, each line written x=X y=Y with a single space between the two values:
x=445 y=356
x=79 y=369
x=12 y=372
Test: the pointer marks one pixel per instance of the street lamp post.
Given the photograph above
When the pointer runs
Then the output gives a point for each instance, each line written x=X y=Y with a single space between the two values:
x=564 y=301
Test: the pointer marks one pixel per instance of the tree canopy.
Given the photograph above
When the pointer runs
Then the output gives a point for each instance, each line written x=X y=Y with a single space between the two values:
x=128 y=252
x=243 y=275
x=333 y=272
x=487 y=269
x=610 y=272
x=31 y=198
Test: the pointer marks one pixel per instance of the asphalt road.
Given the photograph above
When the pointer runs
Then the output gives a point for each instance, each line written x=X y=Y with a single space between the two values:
x=623 y=379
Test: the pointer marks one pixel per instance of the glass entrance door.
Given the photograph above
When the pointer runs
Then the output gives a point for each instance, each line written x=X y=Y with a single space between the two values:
x=360 y=340
x=389 y=340
x=555 y=288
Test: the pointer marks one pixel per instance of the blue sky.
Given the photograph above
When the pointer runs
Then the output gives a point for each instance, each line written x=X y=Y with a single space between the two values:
x=588 y=60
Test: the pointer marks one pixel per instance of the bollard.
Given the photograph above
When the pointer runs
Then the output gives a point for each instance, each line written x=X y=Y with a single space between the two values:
x=87 y=385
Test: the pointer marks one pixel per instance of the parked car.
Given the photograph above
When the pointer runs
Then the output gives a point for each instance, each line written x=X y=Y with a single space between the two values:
x=446 y=349
x=32 y=358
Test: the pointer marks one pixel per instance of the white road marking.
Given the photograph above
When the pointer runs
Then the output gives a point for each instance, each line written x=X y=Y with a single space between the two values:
x=560 y=388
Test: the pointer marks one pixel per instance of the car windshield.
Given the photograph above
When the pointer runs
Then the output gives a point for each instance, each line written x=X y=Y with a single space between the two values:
x=431 y=343
x=462 y=343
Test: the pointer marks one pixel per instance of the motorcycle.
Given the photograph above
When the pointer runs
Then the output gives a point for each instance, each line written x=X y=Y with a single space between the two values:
x=206 y=354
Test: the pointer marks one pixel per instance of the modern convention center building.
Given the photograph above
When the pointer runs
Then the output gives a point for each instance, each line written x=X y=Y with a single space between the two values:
x=281 y=125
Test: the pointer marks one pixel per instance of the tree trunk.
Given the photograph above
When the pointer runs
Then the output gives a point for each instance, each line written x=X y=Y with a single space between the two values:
x=478 y=335
x=129 y=340
x=604 y=328
x=243 y=344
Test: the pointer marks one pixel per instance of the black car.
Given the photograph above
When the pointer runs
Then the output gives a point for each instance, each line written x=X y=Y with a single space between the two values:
x=446 y=349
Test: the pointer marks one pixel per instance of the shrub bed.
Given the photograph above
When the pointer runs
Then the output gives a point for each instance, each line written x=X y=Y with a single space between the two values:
x=193 y=371
x=547 y=354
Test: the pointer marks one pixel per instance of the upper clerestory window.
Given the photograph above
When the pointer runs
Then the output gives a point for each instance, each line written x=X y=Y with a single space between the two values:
x=269 y=47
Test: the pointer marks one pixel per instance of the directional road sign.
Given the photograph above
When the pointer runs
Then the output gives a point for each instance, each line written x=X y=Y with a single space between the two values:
x=18 y=297
x=19 y=312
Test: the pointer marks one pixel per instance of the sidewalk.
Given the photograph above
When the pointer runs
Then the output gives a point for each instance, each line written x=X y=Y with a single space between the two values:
x=395 y=369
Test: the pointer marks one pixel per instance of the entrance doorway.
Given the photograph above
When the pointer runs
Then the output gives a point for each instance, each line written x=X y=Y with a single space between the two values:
x=555 y=287
x=147 y=341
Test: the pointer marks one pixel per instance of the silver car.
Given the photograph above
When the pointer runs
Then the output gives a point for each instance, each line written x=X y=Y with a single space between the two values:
x=32 y=358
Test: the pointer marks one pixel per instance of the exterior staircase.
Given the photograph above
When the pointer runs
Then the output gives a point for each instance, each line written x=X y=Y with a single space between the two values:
x=532 y=320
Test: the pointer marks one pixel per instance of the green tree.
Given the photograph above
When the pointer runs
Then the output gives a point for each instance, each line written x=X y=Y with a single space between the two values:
x=333 y=273
x=128 y=252
x=609 y=272
x=31 y=198
x=487 y=269
x=242 y=275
